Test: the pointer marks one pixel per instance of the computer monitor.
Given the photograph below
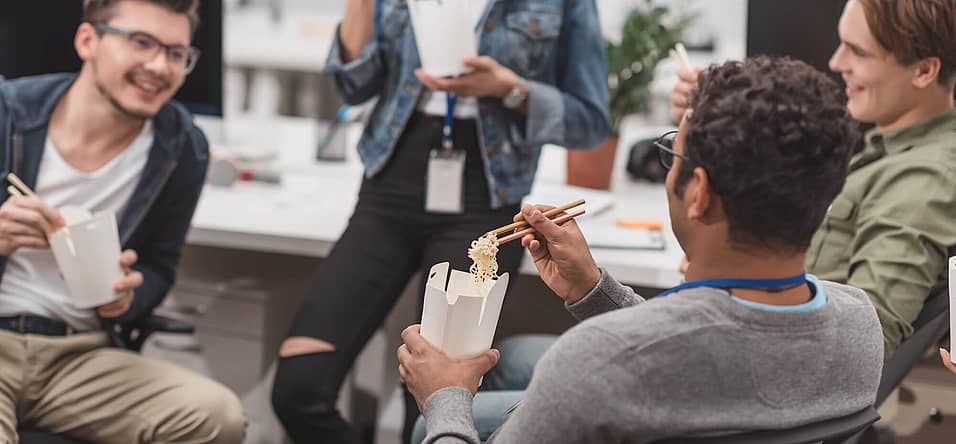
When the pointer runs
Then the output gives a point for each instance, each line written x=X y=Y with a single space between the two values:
x=804 y=30
x=36 y=37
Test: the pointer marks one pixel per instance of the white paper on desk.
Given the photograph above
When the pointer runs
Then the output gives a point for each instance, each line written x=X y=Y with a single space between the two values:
x=459 y=318
x=444 y=34
x=952 y=301
x=607 y=235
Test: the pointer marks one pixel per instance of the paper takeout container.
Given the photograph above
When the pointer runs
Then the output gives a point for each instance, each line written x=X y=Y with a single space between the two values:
x=444 y=34
x=459 y=318
x=87 y=253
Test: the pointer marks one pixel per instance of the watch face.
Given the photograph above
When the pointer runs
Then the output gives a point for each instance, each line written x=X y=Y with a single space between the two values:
x=509 y=100
x=514 y=98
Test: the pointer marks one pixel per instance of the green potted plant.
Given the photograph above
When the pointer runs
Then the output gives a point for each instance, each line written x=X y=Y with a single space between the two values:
x=648 y=33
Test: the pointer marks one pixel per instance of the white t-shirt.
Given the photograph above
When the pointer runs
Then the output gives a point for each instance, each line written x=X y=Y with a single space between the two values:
x=434 y=103
x=31 y=282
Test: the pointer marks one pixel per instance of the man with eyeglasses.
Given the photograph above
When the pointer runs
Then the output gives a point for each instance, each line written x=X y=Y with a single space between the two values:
x=107 y=139
x=750 y=342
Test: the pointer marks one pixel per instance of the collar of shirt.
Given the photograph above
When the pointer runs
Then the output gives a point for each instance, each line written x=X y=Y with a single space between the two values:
x=889 y=143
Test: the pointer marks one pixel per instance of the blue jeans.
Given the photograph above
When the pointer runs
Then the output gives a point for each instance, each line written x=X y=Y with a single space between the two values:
x=503 y=386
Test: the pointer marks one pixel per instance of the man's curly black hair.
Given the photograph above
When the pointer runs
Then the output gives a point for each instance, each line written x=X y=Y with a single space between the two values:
x=775 y=138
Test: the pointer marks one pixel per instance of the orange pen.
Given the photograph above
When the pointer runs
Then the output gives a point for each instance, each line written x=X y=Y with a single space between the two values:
x=640 y=223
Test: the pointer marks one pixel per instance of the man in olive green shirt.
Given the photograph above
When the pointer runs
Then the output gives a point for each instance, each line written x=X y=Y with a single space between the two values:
x=891 y=229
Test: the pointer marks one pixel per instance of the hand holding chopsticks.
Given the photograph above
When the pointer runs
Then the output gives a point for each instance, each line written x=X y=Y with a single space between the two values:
x=26 y=220
x=560 y=254
x=686 y=83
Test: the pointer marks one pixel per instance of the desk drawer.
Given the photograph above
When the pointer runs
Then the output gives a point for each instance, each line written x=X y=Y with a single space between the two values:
x=222 y=308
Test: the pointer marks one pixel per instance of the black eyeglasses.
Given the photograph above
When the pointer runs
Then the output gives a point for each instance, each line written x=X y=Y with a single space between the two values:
x=665 y=150
x=180 y=57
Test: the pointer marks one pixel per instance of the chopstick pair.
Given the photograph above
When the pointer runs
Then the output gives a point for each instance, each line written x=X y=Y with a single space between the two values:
x=552 y=212
x=681 y=56
x=17 y=187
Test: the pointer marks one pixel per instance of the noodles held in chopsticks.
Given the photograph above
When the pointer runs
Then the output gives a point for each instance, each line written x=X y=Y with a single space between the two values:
x=484 y=257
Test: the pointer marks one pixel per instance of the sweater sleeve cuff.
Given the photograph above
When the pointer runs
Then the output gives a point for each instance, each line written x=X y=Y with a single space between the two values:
x=608 y=295
x=448 y=414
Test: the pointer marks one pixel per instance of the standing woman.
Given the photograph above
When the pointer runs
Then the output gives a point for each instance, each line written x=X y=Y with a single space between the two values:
x=541 y=77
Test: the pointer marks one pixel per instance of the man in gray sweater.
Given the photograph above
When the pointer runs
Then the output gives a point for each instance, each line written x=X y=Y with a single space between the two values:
x=749 y=342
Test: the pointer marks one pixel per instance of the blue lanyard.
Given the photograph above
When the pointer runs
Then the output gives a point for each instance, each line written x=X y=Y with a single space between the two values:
x=446 y=141
x=767 y=284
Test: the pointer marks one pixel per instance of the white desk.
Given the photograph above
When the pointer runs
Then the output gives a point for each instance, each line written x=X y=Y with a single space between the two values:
x=298 y=42
x=308 y=212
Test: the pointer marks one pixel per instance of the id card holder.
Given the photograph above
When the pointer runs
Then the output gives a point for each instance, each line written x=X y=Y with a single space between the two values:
x=444 y=186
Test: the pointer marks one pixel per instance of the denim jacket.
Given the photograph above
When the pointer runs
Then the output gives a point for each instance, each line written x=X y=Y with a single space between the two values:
x=162 y=204
x=556 y=45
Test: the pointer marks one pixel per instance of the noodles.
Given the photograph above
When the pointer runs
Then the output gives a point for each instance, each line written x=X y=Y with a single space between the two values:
x=484 y=257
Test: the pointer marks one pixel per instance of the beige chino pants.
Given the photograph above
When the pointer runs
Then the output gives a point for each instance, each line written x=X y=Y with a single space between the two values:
x=78 y=387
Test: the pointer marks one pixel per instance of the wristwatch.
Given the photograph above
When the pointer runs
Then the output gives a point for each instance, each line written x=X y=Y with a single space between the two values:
x=517 y=96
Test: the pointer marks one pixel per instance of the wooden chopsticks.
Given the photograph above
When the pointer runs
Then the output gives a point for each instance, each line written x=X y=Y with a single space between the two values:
x=548 y=214
x=17 y=187
x=523 y=224
x=522 y=233
x=681 y=56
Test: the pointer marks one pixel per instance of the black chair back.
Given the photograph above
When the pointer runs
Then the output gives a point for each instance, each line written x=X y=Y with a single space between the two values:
x=930 y=327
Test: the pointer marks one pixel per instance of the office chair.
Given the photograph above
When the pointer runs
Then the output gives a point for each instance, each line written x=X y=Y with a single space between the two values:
x=831 y=431
x=930 y=327
x=130 y=336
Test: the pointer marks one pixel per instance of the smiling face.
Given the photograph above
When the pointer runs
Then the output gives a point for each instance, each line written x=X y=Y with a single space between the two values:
x=879 y=89
x=136 y=80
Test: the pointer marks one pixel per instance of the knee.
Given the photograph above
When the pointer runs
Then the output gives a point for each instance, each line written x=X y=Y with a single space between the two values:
x=525 y=350
x=519 y=355
x=297 y=395
x=230 y=419
x=214 y=416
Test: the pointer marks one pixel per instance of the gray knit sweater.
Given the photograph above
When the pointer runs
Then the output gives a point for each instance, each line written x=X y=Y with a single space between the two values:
x=694 y=362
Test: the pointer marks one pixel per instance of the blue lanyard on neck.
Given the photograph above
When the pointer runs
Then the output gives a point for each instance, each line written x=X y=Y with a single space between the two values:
x=446 y=140
x=764 y=284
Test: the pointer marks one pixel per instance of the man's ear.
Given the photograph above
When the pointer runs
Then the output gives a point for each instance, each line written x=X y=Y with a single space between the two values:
x=85 y=41
x=926 y=72
x=697 y=193
x=703 y=205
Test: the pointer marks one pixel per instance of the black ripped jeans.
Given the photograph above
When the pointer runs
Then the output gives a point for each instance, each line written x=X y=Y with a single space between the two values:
x=388 y=239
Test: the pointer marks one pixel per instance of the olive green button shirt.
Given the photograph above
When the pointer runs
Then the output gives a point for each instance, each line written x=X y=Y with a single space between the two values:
x=892 y=228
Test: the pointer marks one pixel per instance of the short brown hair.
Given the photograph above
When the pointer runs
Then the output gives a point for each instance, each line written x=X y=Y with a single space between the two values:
x=100 y=11
x=913 y=30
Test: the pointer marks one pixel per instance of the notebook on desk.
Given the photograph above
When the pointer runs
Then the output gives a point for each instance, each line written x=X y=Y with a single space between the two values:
x=607 y=235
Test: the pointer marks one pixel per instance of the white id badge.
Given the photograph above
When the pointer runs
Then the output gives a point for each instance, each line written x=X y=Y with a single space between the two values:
x=444 y=186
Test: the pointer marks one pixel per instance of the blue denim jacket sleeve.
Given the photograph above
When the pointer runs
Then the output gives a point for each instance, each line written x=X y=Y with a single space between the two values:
x=573 y=113
x=360 y=79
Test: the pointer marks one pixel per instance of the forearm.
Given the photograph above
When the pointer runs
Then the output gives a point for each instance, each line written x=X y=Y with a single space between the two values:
x=356 y=28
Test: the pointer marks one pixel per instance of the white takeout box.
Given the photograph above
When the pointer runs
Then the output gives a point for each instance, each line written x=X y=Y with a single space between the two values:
x=87 y=253
x=952 y=301
x=459 y=318
x=445 y=35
